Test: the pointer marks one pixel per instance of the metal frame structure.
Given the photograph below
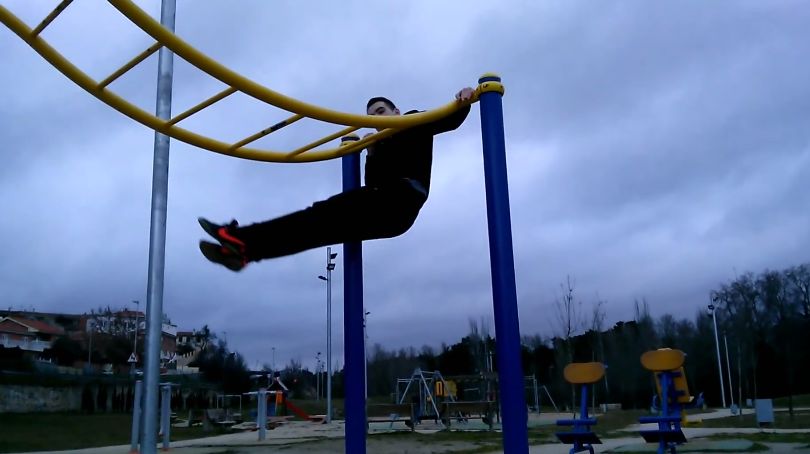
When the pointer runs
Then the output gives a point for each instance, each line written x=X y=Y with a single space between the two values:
x=535 y=387
x=489 y=92
x=425 y=385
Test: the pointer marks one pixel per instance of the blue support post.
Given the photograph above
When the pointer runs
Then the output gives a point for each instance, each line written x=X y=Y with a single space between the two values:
x=583 y=402
x=507 y=326
x=355 y=385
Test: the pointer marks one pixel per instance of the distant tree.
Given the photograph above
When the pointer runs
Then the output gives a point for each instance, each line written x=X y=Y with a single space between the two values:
x=598 y=345
x=799 y=279
x=220 y=366
x=478 y=344
x=64 y=351
x=568 y=312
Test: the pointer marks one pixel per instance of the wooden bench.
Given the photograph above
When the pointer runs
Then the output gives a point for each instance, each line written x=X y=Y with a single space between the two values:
x=581 y=436
x=391 y=413
x=463 y=410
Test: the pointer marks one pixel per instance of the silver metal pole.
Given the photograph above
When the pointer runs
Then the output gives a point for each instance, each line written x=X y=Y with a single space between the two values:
x=365 y=351
x=165 y=416
x=136 y=416
x=134 y=365
x=739 y=378
x=157 y=239
x=329 y=335
x=90 y=349
x=261 y=413
x=728 y=367
x=719 y=363
x=318 y=377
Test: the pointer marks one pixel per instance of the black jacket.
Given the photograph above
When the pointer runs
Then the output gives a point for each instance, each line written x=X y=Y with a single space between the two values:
x=409 y=154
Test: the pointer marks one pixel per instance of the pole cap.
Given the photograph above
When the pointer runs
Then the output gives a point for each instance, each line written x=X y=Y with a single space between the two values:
x=349 y=138
x=490 y=82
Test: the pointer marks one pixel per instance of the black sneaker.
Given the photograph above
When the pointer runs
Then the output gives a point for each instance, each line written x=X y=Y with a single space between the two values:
x=222 y=255
x=222 y=233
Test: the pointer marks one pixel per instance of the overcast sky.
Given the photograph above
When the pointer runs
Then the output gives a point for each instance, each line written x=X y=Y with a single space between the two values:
x=654 y=150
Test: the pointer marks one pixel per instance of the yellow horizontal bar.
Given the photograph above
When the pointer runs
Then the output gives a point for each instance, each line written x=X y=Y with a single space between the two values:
x=251 y=88
x=323 y=140
x=50 y=17
x=216 y=98
x=370 y=139
x=266 y=131
x=129 y=65
x=141 y=116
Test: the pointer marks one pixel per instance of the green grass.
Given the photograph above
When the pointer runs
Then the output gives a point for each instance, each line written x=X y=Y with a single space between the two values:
x=801 y=400
x=22 y=432
x=782 y=420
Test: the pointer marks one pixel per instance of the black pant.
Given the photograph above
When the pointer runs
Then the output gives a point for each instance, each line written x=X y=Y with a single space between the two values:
x=361 y=214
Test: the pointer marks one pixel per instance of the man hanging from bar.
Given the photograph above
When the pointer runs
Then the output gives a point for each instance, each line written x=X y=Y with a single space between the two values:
x=397 y=184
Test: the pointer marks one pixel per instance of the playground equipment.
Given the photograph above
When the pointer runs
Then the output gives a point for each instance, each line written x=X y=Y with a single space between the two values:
x=433 y=397
x=673 y=393
x=489 y=92
x=392 y=413
x=276 y=392
x=423 y=385
x=225 y=403
x=581 y=437
x=533 y=388
x=165 y=415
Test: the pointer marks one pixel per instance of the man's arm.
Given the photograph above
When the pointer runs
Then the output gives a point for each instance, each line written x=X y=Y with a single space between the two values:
x=454 y=120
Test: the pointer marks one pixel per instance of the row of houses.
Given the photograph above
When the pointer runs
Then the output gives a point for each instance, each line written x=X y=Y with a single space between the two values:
x=34 y=332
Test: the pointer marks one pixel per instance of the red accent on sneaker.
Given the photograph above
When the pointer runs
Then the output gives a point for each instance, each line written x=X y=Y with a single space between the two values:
x=223 y=232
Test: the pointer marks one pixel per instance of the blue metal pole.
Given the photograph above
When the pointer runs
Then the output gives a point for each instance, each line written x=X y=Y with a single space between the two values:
x=355 y=403
x=502 y=263
x=157 y=240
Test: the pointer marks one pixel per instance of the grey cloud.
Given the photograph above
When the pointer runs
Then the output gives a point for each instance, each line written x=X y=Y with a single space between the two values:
x=653 y=149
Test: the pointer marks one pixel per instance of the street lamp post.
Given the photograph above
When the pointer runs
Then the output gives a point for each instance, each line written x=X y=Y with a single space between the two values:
x=717 y=346
x=329 y=267
x=134 y=363
x=365 y=352
x=274 y=360
x=730 y=383
x=90 y=343
x=318 y=377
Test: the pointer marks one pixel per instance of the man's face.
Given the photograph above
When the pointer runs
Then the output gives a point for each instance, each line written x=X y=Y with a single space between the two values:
x=381 y=108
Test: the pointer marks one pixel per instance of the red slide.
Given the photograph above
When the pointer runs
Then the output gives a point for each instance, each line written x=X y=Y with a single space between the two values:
x=297 y=411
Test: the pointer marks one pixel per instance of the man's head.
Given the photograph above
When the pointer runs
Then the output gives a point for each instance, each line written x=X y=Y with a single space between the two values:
x=381 y=106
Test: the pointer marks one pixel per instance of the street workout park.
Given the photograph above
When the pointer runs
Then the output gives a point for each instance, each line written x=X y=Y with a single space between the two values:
x=426 y=399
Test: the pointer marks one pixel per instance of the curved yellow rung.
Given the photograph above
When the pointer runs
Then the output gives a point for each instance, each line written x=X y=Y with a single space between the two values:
x=153 y=28
x=663 y=359
x=234 y=81
x=584 y=373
